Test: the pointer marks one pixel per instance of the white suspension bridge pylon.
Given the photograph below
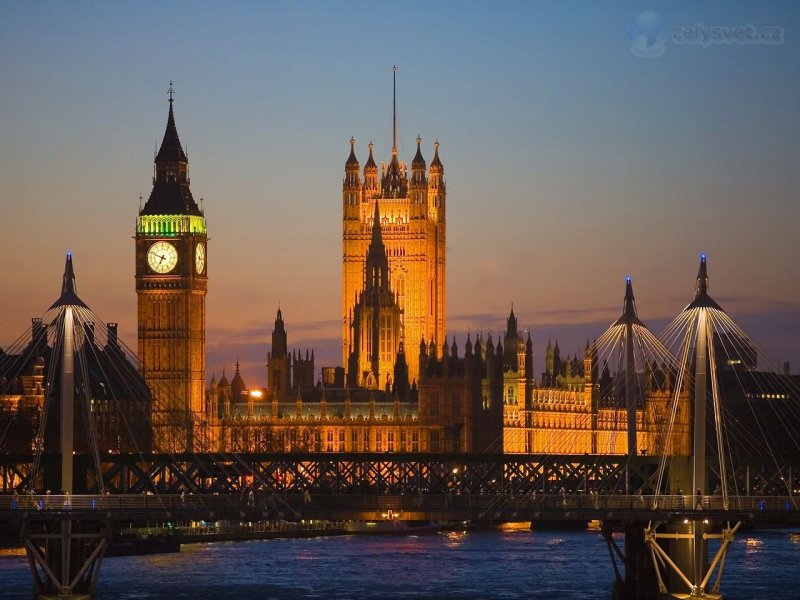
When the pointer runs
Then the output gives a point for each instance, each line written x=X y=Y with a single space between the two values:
x=683 y=570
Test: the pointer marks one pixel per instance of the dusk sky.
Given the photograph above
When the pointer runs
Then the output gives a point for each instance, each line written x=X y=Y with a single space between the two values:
x=570 y=161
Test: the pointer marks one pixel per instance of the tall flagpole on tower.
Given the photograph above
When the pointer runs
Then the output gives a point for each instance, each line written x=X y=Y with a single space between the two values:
x=394 y=109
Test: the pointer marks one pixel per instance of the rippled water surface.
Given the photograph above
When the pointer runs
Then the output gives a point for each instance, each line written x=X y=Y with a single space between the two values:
x=487 y=564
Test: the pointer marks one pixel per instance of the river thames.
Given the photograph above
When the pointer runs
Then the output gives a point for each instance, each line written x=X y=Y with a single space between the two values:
x=482 y=564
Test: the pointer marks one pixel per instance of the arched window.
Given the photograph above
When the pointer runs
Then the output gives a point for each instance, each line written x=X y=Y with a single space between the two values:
x=400 y=288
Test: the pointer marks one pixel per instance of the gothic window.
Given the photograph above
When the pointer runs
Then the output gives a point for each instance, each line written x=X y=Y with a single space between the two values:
x=390 y=442
x=415 y=441
x=386 y=349
x=401 y=291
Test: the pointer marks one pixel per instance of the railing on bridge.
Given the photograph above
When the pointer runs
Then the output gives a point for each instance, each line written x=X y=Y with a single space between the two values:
x=392 y=473
x=344 y=473
x=481 y=506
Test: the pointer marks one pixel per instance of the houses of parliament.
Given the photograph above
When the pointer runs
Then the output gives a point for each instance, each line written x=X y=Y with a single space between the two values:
x=402 y=386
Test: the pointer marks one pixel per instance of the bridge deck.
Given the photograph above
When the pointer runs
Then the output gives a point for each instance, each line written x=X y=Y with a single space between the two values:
x=438 y=507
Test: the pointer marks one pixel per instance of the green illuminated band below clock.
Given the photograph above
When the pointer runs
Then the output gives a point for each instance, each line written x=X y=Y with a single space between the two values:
x=162 y=257
x=200 y=258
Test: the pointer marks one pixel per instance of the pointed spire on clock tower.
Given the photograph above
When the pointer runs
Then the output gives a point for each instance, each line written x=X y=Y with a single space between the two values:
x=171 y=149
x=171 y=194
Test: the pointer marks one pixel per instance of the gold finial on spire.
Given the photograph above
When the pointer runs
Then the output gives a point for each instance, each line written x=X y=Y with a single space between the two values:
x=352 y=141
x=419 y=140
x=170 y=91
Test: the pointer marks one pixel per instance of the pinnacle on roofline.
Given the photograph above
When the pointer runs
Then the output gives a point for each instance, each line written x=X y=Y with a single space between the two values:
x=436 y=162
x=352 y=160
x=371 y=160
x=418 y=160
x=376 y=244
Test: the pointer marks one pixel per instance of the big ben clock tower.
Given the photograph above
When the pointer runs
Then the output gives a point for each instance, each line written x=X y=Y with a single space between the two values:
x=171 y=283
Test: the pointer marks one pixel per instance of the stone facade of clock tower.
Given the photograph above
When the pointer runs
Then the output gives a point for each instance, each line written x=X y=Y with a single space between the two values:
x=171 y=284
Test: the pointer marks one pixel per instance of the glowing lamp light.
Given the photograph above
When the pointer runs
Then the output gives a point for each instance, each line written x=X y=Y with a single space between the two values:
x=256 y=393
x=627 y=278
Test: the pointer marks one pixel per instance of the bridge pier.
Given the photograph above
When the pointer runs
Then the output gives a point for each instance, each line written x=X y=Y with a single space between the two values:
x=64 y=553
x=639 y=582
x=684 y=571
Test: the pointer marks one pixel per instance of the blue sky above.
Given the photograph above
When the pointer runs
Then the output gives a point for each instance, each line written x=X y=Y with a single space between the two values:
x=570 y=162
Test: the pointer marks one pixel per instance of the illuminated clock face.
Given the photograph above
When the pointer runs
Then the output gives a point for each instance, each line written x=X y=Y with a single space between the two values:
x=200 y=258
x=162 y=257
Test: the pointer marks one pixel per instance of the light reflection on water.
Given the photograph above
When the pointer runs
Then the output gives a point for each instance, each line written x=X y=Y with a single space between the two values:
x=752 y=545
x=483 y=564
x=455 y=539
